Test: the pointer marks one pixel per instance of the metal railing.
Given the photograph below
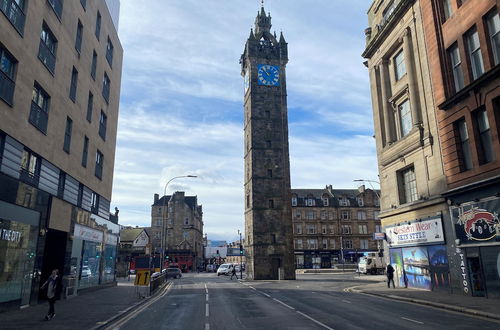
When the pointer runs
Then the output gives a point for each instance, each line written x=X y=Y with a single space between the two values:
x=157 y=282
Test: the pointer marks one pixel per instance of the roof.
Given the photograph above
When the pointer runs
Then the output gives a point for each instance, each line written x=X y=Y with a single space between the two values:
x=130 y=234
x=191 y=201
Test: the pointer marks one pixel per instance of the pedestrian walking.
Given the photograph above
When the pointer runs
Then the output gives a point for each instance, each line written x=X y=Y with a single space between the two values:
x=233 y=273
x=54 y=286
x=390 y=276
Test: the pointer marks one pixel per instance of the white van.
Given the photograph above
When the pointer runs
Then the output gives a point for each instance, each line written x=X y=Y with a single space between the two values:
x=225 y=269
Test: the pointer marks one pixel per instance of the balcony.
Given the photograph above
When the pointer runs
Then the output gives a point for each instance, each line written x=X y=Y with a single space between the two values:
x=14 y=13
x=47 y=57
x=6 y=88
x=38 y=117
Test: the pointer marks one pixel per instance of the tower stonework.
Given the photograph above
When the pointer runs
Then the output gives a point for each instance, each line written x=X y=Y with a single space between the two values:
x=268 y=220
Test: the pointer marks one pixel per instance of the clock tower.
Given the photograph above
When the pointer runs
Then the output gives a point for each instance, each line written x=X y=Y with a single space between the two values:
x=268 y=218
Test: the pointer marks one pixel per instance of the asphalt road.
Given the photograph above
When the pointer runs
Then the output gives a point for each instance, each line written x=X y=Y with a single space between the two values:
x=205 y=301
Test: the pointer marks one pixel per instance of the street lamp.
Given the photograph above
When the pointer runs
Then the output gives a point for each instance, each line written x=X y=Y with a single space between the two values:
x=241 y=257
x=164 y=223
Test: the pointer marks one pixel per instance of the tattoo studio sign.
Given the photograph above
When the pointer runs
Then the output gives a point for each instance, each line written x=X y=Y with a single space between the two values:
x=477 y=222
x=416 y=233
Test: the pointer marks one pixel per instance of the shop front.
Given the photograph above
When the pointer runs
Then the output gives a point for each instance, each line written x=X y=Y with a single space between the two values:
x=313 y=259
x=477 y=232
x=19 y=229
x=418 y=254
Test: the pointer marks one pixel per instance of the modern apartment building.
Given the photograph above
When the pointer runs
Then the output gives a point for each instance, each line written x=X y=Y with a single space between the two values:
x=463 y=45
x=414 y=215
x=177 y=220
x=332 y=226
x=60 y=78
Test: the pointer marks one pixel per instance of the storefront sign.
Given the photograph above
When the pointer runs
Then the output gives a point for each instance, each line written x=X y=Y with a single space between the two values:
x=477 y=222
x=88 y=234
x=111 y=239
x=416 y=233
x=378 y=236
x=463 y=270
x=10 y=235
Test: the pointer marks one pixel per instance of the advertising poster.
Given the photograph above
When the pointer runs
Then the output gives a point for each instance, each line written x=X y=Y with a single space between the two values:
x=477 y=222
x=397 y=263
x=439 y=268
x=416 y=265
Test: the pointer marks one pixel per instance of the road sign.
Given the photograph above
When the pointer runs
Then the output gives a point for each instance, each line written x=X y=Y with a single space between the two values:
x=142 y=277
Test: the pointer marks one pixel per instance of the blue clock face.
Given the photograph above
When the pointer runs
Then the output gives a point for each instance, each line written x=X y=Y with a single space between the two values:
x=269 y=75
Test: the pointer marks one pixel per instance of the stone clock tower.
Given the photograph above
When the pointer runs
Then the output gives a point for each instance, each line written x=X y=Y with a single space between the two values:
x=268 y=218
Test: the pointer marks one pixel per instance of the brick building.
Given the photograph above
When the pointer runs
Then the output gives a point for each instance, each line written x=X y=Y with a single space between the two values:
x=463 y=42
x=60 y=79
x=332 y=226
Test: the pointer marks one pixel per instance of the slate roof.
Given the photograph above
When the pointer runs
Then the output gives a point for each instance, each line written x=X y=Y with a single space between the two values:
x=130 y=234
x=333 y=199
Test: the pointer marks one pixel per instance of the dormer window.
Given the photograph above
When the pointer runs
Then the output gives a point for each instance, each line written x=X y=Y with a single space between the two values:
x=310 y=201
x=361 y=202
x=325 y=200
x=294 y=200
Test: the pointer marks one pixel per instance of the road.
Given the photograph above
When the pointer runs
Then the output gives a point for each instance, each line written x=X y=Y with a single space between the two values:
x=205 y=301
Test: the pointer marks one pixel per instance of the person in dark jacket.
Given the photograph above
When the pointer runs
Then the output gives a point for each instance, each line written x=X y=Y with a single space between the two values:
x=54 y=286
x=233 y=273
x=390 y=276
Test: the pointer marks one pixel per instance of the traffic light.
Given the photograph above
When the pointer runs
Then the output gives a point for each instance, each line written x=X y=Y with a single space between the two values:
x=166 y=257
x=241 y=249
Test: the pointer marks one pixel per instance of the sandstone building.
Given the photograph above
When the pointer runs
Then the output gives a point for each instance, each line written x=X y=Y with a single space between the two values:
x=268 y=227
x=332 y=226
x=60 y=76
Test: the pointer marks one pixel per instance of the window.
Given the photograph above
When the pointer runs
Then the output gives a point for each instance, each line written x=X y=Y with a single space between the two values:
x=298 y=228
x=475 y=56
x=360 y=200
x=84 y=3
x=311 y=215
x=375 y=215
x=14 y=11
x=407 y=185
x=67 y=134
x=30 y=167
x=323 y=229
x=456 y=63
x=105 y=87
x=94 y=202
x=325 y=244
x=61 y=184
x=405 y=119
x=102 y=125
x=312 y=244
x=363 y=244
x=90 y=106
x=399 y=65
x=331 y=228
x=269 y=173
x=74 y=85
x=79 y=34
x=297 y=214
x=324 y=199
x=330 y=215
x=98 y=25
x=347 y=244
x=109 y=52
x=344 y=201
x=447 y=11
x=248 y=201
x=311 y=229
x=486 y=154
x=85 y=151
x=377 y=229
x=93 y=67
x=346 y=215
x=493 y=21
x=294 y=201
x=332 y=244
x=346 y=229
x=7 y=74
x=361 y=215
x=39 y=113
x=271 y=204
x=99 y=161
x=464 y=153
x=298 y=244
x=363 y=229
x=310 y=201
x=389 y=10
x=57 y=6
x=323 y=215
x=48 y=48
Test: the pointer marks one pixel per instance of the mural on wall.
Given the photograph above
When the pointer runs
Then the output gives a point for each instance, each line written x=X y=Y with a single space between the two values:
x=397 y=263
x=439 y=268
x=477 y=222
x=416 y=266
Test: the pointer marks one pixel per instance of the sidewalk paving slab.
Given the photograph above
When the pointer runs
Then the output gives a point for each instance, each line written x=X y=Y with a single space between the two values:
x=457 y=302
x=85 y=311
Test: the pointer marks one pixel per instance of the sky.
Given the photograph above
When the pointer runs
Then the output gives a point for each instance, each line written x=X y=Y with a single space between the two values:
x=181 y=106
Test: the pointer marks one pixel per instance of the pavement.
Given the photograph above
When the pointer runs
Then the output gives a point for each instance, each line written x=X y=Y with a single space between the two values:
x=457 y=302
x=90 y=310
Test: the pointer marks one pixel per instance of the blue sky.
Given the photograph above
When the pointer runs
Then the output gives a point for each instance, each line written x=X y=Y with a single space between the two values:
x=181 y=109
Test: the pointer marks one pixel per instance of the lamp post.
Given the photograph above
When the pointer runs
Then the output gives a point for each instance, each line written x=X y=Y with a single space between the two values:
x=241 y=256
x=164 y=224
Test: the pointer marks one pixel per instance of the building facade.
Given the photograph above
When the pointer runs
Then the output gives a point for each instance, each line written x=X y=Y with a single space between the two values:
x=268 y=227
x=60 y=78
x=463 y=43
x=414 y=215
x=334 y=226
x=177 y=220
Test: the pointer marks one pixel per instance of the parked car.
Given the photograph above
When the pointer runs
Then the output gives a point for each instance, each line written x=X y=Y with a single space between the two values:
x=225 y=269
x=86 y=271
x=174 y=272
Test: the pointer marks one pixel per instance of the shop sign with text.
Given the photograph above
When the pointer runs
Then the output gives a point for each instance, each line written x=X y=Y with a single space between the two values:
x=477 y=222
x=88 y=234
x=428 y=231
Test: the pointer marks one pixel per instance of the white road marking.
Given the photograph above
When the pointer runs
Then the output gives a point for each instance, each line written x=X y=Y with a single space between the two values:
x=206 y=310
x=347 y=301
x=207 y=326
x=206 y=289
x=407 y=319
x=265 y=294
x=206 y=298
x=315 y=321
x=283 y=303
x=251 y=287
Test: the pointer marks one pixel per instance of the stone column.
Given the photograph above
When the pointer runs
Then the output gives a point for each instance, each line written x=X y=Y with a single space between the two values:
x=386 y=108
x=412 y=79
x=376 y=100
